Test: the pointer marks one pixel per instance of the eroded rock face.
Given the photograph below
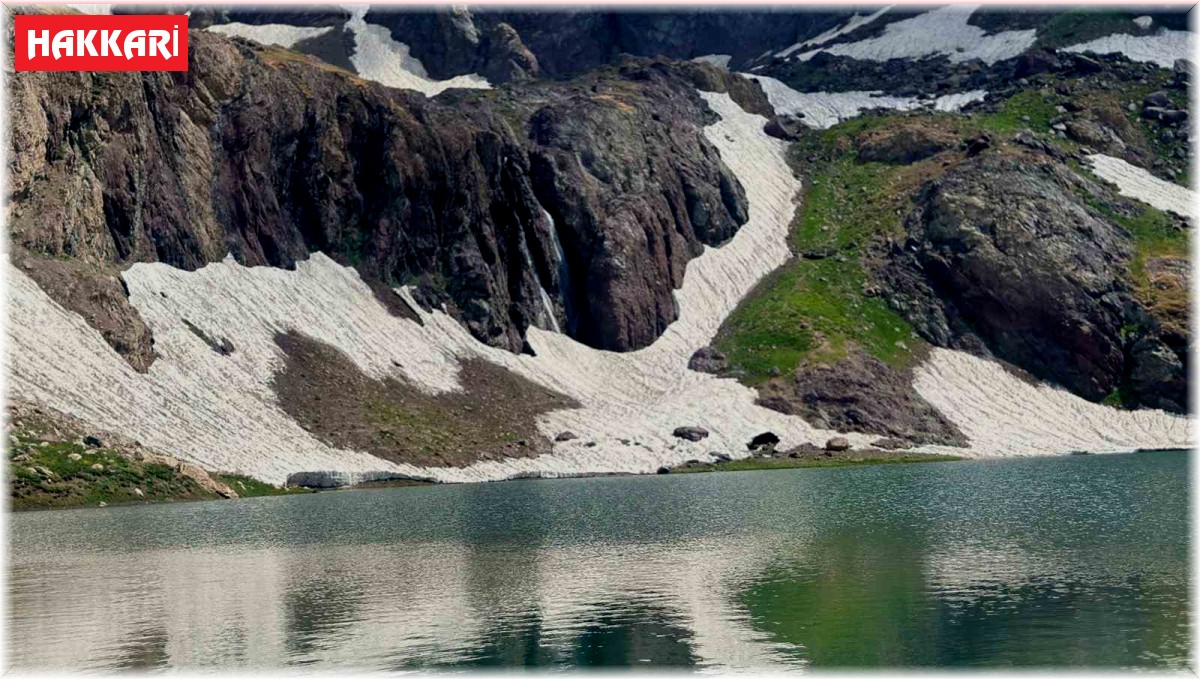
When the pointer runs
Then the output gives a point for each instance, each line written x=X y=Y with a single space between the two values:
x=860 y=393
x=568 y=42
x=1004 y=257
x=269 y=156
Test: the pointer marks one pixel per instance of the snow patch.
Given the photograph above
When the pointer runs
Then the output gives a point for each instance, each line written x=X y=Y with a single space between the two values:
x=1162 y=48
x=1144 y=22
x=943 y=31
x=719 y=60
x=284 y=35
x=1135 y=182
x=854 y=23
x=1003 y=415
x=825 y=109
x=380 y=58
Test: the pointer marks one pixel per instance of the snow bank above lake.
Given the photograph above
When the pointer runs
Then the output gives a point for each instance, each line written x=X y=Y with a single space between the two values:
x=1135 y=182
x=1162 y=48
x=1003 y=415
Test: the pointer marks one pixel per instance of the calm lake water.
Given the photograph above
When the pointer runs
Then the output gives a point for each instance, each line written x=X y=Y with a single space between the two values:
x=1061 y=561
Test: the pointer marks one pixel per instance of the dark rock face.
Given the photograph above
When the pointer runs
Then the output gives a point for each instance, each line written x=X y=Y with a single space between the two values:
x=860 y=393
x=270 y=158
x=567 y=42
x=1003 y=257
x=448 y=42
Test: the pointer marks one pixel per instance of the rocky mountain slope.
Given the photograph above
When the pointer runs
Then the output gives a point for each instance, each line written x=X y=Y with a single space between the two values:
x=575 y=225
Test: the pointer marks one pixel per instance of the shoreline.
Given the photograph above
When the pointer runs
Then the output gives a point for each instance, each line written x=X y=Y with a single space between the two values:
x=808 y=460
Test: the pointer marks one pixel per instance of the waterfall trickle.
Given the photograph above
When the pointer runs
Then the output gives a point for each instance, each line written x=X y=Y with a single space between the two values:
x=564 y=270
x=546 y=320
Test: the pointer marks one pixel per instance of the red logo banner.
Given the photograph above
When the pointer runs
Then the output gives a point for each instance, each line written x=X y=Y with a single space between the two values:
x=90 y=42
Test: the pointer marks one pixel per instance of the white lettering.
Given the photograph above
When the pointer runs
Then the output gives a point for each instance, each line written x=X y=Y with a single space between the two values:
x=158 y=44
x=64 y=41
x=83 y=43
x=35 y=40
x=108 y=43
x=135 y=42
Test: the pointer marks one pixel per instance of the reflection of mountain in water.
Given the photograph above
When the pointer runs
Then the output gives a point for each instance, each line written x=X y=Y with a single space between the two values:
x=1070 y=560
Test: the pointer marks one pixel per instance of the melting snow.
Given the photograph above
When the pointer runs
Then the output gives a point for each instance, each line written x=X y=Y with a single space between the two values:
x=1134 y=182
x=721 y=60
x=943 y=31
x=1002 y=414
x=854 y=23
x=380 y=58
x=284 y=35
x=1162 y=48
x=826 y=109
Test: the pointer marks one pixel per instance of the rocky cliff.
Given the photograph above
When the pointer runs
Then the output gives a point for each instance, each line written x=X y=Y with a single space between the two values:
x=572 y=205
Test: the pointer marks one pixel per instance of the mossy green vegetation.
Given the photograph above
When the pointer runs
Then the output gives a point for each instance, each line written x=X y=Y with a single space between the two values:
x=1082 y=25
x=819 y=304
x=814 y=307
x=49 y=474
x=246 y=486
x=766 y=463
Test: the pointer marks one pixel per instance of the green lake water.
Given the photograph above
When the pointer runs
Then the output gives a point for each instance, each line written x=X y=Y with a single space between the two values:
x=1079 y=561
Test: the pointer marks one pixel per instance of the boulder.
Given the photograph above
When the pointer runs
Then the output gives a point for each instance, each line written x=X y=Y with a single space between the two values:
x=1173 y=117
x=1158 y=98
x=565 y=436
x=663 y=470
x=1085 y=64
x=708 y=360
x=837 y=444
x=92 y=442
x=690 y=433
x=765 y=439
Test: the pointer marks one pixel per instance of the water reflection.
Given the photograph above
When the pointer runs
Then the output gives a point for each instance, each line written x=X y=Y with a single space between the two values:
x=1043 y=562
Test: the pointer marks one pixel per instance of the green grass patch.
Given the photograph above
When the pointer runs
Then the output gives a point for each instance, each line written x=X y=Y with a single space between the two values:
x=44 y=474
x=815 y=309
x=246 y=486
x=1082 y=25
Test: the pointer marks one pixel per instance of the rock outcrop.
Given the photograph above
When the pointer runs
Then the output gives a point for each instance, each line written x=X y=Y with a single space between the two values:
x=588 y=197
x=860 y=393
x=1004 y=257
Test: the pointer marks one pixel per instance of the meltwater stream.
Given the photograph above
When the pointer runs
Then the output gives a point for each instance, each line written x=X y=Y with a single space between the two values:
x=1076 y=561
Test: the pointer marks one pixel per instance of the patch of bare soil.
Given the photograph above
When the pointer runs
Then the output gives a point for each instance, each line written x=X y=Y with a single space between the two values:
x=493 y=418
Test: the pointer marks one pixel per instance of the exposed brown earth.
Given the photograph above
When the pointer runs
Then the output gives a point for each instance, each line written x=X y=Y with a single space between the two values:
x=860 y=393
x=493 y=417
